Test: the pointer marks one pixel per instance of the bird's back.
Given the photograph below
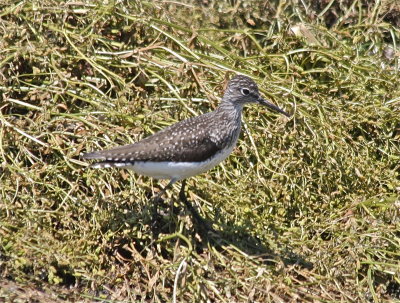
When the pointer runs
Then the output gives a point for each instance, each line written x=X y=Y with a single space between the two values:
x=193 y=140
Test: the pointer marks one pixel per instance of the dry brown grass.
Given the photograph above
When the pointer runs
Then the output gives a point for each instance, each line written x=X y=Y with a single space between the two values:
x=306 y=209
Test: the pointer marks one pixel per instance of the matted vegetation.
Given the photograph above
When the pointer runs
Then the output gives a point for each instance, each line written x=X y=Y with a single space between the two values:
x=306 y=209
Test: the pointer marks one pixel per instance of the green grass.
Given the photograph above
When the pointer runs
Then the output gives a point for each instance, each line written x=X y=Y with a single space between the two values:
x=306 y=209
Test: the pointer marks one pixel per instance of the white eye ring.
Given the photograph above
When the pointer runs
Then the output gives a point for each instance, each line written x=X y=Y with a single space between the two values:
x=245 y=91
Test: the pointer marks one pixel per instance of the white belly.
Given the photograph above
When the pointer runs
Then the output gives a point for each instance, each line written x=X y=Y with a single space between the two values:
x=177 y=170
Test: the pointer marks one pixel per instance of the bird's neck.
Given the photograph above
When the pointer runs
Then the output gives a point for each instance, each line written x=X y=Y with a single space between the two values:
x=231 y=112
x=230 y=108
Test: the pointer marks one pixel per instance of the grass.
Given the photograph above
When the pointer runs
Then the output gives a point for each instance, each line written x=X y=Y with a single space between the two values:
x=306 y=209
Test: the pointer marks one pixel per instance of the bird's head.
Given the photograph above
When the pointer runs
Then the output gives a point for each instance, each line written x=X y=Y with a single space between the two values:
x=242 y=90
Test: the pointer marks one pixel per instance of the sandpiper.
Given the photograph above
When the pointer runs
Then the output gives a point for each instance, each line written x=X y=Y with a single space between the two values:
x=189 y=147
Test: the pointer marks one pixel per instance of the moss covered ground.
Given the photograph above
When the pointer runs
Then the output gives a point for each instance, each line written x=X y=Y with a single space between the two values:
x=306 y=209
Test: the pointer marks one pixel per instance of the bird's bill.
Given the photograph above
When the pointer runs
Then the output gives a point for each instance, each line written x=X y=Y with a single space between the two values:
x=272 y=106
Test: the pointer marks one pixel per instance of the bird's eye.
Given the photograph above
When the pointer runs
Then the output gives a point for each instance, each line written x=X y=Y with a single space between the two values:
x=245 y=91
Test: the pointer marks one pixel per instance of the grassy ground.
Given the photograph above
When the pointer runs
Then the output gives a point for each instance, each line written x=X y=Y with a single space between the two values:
x=306 y=209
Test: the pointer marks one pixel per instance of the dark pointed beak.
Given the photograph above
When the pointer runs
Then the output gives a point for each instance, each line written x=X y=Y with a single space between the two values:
x=272 y=106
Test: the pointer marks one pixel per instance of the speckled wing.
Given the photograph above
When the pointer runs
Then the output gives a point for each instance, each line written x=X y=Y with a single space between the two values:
x=186 y=141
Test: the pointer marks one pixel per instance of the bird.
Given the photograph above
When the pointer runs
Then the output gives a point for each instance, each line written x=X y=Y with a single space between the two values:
x=189 y=147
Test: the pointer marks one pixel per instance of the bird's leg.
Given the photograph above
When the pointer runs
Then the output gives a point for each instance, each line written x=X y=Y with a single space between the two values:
x=202 y=223
x=158 y=196
x=156 y=201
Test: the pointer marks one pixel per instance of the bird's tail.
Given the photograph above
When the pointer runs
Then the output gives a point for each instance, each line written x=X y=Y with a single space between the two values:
x=106 y=162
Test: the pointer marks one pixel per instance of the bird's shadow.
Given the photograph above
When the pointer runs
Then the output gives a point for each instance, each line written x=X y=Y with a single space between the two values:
x=201 y=235
x=228 y=234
